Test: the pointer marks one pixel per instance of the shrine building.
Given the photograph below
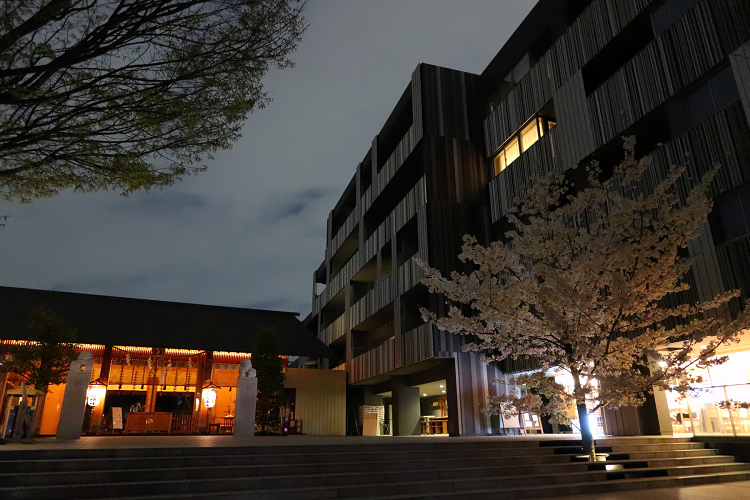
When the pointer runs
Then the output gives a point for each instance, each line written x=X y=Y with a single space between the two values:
x=157 y=357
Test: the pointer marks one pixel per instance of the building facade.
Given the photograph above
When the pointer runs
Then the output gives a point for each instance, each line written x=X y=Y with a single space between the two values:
x=157 y=357
x=458 y=148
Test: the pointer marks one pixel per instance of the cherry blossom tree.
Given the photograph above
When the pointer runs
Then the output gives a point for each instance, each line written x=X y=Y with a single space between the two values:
x=586 y=283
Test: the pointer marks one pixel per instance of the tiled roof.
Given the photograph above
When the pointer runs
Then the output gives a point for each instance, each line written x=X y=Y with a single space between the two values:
x=101 y=319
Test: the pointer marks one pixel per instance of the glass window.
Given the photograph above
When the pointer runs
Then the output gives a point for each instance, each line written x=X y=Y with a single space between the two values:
x=500 y=162
x=732 y=218
x=745 y=199
x=512 y=151
x=724 y=88
x=701 y=104
x=540 y=126
x=678 y=116
x=523 y=67
x=661 y=19
x=529 y=135
x=679 y=7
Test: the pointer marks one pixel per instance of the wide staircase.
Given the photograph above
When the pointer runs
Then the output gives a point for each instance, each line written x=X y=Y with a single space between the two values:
x=447 y=469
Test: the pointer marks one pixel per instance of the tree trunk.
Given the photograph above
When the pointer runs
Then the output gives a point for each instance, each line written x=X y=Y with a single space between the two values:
x=587 y=438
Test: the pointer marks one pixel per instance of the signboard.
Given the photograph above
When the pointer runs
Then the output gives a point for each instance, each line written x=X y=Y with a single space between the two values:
x=148 y=422
x=116 y=418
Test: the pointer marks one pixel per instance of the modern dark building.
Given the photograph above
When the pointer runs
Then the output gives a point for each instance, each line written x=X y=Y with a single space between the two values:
x=458 y=148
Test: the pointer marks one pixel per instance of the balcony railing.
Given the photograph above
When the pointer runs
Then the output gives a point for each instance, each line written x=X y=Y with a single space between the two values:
x=411 y=347
x=334 y=331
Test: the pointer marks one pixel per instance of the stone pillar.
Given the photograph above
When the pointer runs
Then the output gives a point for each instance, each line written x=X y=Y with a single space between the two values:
x=98 y=412
x=74 y=399
x=244 y=405
x=405 y=408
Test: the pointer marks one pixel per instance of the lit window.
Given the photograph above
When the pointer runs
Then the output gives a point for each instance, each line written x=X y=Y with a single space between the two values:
x=520 y=142
x=512 y=151
x=529 y=135
x=507 y=155
x=500 y=162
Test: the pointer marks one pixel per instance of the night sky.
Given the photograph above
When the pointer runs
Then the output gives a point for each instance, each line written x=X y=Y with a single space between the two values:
x=250 y=231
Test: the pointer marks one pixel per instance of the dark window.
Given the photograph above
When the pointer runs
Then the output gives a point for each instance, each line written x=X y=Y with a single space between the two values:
x=407 y=241
x=622 y=48
x=724 y=88
x=661 y=19
x=718 y=92
x=679 y=7
x=678 y=116
x=745 y=198
x=669 y=12
x=701 y=104
x=386 y=260
x=732 y=215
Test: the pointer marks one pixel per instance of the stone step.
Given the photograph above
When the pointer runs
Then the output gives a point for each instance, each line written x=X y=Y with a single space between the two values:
x=628 y=447
x=642 y=440
x=49 y=465
x=441 y=468
x=528 y=491
x=353 y=485
x=607 y=441
x=645 y=455
x=636 y=448
x=423 y=444
x=250 y=455
x=414 y=467
x=529 y=455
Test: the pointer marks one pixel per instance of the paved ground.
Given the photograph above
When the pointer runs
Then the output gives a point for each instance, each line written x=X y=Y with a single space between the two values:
x=739 y=490
x=728 y=491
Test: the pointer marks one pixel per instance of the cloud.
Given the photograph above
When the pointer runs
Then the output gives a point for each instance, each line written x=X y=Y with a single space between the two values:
x=251 y=229
x=168 y=201
x=295 y=203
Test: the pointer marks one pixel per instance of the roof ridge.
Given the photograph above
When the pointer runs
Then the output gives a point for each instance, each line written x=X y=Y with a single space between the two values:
x=155 y=301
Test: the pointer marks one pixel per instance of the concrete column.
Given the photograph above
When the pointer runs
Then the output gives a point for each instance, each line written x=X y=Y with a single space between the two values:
x=451 y=394
x=662 y=412
x=405 y=408
x=74 y=399
x=467 y=389
x=372 y=399
x=244 y=405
